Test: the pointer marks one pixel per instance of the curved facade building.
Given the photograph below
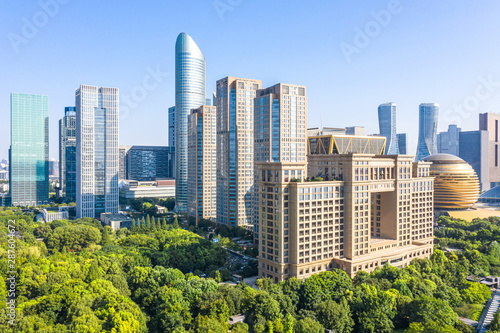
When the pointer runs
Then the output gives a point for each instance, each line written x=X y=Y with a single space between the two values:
x=387 y=126
x=427 y=130
x=456 y=185
x=189 y=94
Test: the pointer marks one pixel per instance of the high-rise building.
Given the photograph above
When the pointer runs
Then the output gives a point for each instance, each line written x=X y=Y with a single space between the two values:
x=379 y=212
x=387 y=125
x=355 y=130
x=280 y=130
x=67 y=154
x=122 y=155
x=280 y=124
x=235 y=150
x=146 y=163
x=97 y=162
x=474 y=149
x=171 y=126
x=53 y=168
x=447 y=142
x=402 y=143
x=202 y=163
x=189 y=94
x=489 y=122
x=29 y=149
x=427 y=130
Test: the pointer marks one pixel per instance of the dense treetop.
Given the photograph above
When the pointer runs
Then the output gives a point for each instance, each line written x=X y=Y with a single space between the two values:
x=77 y=276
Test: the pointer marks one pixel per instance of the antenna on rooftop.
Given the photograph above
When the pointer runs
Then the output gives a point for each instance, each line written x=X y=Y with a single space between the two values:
x=321 y=128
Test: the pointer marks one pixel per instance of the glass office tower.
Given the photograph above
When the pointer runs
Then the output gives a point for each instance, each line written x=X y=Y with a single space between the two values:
x=402 y=143
x=171 y=126
x=146 y=163
x=29 y=150
x=97 y=163
x=189 y=94
x=67 y=154
x=387 y=125
x=448 y=142
x=427 y=130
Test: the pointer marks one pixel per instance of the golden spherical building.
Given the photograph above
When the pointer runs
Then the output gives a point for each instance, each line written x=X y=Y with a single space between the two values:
x=456 y=185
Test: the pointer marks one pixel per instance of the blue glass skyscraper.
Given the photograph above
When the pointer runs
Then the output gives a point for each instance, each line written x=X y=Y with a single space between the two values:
x=29 y=150
x=402 y=143
x=387 y=125
x=97 y=162
x=67 y=153
x=427 y=130
x=189 y=94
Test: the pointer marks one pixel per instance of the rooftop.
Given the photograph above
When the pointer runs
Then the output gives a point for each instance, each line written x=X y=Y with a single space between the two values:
x=444 y=159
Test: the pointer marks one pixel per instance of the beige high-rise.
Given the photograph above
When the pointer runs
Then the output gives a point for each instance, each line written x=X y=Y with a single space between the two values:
x=280 y=130
x=377 y=210
x=202 y=163
x=235 y=150
x=490 y=122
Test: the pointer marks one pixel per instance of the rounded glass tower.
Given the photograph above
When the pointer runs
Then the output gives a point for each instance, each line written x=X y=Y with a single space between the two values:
x=189 y=94
x=427 y=130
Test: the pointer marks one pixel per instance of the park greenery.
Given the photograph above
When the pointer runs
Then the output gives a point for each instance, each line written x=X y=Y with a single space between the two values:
x=78 y=276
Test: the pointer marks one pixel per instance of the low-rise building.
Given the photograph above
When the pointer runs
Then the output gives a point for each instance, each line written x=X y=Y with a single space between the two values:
x=160 y=188
x=161 y=209
x=52 y=214
x=116 y=221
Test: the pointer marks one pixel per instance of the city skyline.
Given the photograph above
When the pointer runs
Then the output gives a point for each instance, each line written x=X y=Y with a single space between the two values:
x=358 y=77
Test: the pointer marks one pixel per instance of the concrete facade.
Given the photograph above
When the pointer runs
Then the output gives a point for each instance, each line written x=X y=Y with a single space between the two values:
x=202 y=163
x=380 y=211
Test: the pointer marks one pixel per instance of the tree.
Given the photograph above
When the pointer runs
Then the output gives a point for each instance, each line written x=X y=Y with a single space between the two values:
x=206 y=324
x=93 y=272
x=325 y=285
x=335 y=316
x=264 y=283
x=169 y=309
x=239 y=328
x=373 y=309
x=164 y=223
x=430 y=327
x=308 y=325
x=105 y=237
x=263 y=305
x=475 y=293
x=429 y=309
x=75 y=237
x=289 y=324
x=219 y=310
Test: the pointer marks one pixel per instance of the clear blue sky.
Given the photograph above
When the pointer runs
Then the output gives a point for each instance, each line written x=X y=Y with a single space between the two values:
x=425 y=51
